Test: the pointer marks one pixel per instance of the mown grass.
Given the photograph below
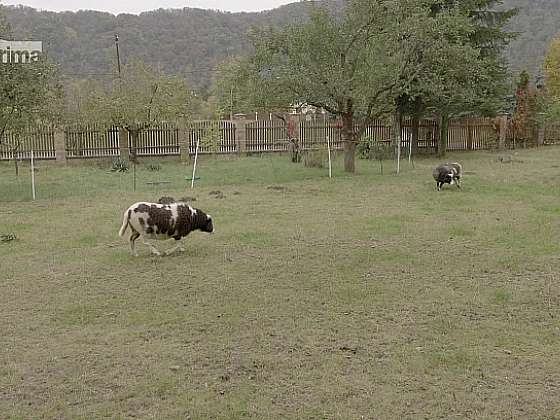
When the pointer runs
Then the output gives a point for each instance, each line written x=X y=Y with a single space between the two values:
x=364 y=296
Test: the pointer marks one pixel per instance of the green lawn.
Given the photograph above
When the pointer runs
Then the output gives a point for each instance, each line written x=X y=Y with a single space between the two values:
x=358 y=297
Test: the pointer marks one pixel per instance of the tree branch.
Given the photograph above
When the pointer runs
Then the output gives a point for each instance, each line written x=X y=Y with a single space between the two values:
x=369 y=113
x=6 y=124
x=325 y=107
x=151 y=102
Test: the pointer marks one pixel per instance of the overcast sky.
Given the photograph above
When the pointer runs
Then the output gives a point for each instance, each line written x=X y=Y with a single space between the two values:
x=137 y=6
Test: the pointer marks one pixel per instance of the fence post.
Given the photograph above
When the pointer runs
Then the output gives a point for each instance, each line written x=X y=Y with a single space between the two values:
x=541 y=132
x=241 y=136
x=123 y=143
x=184 y=134
x=59 y=145
x=469 y=134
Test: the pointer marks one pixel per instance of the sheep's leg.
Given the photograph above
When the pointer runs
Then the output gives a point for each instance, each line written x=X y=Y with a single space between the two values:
x=153 y=249
x=459 y=183
x=178 y=247
x=132 y=239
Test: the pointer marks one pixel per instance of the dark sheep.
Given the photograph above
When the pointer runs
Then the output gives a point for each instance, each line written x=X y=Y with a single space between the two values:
x=448 y=173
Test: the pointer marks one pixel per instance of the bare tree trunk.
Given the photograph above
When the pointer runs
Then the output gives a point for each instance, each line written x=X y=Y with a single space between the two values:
x=503 y=133
x=415 y=134
x=397 y=130
x=134 y=133
x=442 y=138
x=15 y=155
x=416 y=115
x=349 y=143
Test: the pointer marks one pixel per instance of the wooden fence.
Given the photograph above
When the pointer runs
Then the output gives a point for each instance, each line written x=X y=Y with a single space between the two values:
x=266 y=136
x=231 y=137
x=313 y=134
x=91 y=142
x=552 y=134
x=156 y=141
x=471 y=134
x=40 y=140
x=212 y=136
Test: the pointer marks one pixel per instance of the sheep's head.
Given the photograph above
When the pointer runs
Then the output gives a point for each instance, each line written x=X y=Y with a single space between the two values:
x=209 y=226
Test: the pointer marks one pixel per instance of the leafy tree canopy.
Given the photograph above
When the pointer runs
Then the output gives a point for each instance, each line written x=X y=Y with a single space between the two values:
x=139 y=98
x=191 y=42
x=552 y=67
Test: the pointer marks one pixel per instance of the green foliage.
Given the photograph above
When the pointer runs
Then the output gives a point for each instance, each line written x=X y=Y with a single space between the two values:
x=373 y=150
x=363 y=150
x=192 y=42
x=77 y=97
x=553 y=110
x=212 y=138
x=120 y=165
x=552 y=67
x=340 y=64
x=7 y=237
x=348 y=65
x=316 y=158
x=537 y=24
x=462 y=71
x=5 y=27
x=139 y=98
x=380 y=55
x=30 y=94
x=522 y=95
x=187 y=42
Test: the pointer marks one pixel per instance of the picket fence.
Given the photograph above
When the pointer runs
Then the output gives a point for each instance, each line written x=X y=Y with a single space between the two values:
x=40 y=140
x=231 y=137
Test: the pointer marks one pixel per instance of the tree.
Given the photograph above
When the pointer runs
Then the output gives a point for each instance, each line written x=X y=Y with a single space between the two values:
x=381 y=58
x=460 y=64
x=5 y=28
x=138 y=99
x=30 y=95
x=524 y=107
x=552 y=75
x=246 y=84
x=552 y=67
x=345 y=65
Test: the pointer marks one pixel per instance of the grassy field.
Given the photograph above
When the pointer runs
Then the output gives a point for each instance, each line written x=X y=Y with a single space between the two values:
x=360 y=297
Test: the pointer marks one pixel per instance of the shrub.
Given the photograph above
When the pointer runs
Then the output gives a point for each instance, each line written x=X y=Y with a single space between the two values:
x=317 y=158
x=363 y=149
x=7 y=237
x=154 y=167
x=119 y=165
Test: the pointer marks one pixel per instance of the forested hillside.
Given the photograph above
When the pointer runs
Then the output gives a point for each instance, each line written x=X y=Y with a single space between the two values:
x=537 y=23
x=191 y=42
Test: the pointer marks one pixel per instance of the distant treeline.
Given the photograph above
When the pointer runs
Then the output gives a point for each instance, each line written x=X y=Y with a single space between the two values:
x=192 y=42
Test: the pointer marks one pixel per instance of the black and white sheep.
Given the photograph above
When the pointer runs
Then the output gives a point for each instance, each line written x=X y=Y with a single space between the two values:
x=163 y=221
x=448 y=173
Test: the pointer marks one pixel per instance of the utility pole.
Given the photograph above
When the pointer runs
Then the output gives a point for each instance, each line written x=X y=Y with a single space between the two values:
x=118 y=55
x=231 y=104
x=131 y=150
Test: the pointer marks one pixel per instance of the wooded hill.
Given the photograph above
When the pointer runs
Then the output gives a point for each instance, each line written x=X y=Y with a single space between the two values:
x=191 y=42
